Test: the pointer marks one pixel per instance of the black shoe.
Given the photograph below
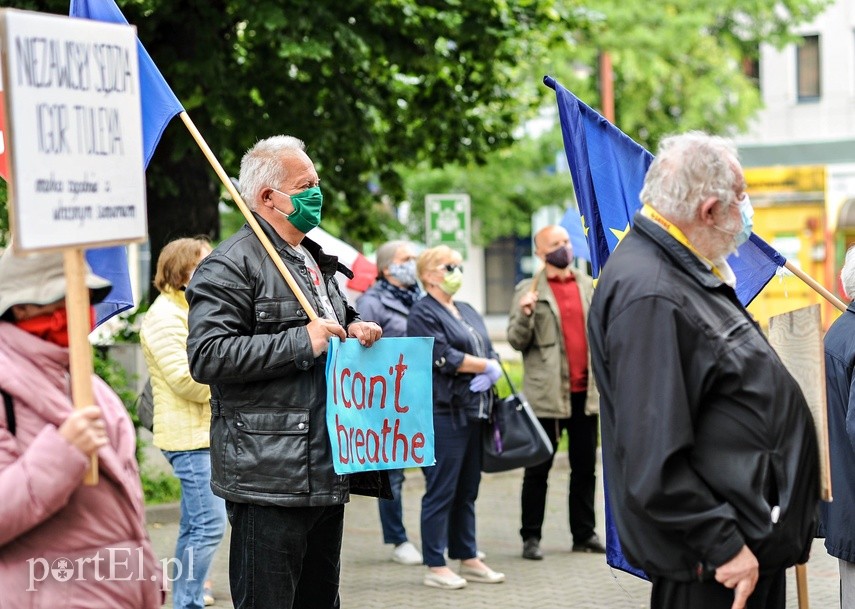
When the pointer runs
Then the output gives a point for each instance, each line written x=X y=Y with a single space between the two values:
x=591 y=545
x=531 y=549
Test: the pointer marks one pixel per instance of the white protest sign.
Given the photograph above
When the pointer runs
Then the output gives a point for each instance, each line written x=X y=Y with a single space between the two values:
x=73 y=131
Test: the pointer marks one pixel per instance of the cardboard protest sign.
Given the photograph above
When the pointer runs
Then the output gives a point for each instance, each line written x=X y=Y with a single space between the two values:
x=73 y=131
x=796 y=337
x=380 y=404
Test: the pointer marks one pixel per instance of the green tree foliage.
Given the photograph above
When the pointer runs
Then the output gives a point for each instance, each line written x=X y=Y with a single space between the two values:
x=680 y=64
x=376 y=86
x=367 y=84
x=504 y=191
x=677 y=65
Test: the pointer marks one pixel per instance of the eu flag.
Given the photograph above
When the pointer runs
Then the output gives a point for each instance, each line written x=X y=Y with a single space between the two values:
x=608 y=170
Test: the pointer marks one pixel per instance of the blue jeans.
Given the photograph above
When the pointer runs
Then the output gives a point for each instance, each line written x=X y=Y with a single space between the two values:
x=201 y=528
x=391 y=511
x=451 y=487
x=285 y=557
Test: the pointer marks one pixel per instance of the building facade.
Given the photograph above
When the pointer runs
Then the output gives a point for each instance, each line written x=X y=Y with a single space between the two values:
x=799 y=154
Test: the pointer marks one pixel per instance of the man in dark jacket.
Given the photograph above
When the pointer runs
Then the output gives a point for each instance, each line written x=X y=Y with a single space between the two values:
x=709 y=449
x=253 y=343
x=838 y=516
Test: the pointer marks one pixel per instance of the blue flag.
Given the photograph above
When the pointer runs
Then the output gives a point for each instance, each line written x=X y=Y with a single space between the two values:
x=111 y=263
x=159 y=106
x=608 y=170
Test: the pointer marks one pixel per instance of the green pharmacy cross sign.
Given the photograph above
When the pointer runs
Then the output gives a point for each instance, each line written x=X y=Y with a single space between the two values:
x=447 y=222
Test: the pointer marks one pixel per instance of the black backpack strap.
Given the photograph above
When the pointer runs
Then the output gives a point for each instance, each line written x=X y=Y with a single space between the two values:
x=10 y=412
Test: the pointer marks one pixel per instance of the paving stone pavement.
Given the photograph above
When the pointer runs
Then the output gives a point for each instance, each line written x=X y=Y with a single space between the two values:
x=563 y=579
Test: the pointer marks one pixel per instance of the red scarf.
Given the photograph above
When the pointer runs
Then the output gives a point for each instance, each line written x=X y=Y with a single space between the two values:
x=52 y=327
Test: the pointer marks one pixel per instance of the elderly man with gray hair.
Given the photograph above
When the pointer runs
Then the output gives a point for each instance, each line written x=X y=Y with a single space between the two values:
x=837 y=516
x=250 y=339
x=709 y=449
x=388 y=303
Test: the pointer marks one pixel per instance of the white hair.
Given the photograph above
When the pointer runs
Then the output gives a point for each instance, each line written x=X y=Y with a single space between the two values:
x=690 y=168
x=847 y=273
x=262 y=166
x=385 y=254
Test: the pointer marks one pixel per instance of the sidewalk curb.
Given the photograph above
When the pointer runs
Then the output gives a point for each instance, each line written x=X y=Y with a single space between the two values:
x=162 y=513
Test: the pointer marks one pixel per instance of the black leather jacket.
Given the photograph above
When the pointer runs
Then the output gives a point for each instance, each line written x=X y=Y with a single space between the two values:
x=247 y=340
x=704 y=431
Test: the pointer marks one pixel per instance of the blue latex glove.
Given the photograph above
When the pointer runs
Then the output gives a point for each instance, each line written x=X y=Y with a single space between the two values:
x=481 y=382
x=493 y=370
x=486 y=379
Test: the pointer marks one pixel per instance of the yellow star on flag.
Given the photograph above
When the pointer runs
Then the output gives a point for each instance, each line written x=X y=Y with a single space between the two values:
x=620 y=234
x=584 y=225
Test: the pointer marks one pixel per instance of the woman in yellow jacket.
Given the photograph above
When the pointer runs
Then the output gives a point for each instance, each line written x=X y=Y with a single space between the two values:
x=182 y=419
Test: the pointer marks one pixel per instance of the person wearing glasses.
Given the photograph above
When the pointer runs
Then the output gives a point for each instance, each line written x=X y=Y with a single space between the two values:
x=465 y=368
x=388 y=303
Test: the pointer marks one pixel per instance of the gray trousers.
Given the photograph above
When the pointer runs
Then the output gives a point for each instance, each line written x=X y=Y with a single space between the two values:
x=847 y=584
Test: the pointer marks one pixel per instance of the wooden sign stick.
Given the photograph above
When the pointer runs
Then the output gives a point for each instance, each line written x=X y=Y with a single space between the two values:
x=79 y=350
x=802 y=586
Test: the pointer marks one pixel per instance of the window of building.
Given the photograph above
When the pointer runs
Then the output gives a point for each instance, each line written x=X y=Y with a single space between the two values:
x=751 y=67
x=808 y=69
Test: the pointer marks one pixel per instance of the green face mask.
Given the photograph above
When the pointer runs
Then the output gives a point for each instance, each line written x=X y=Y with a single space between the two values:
x=452 y=282
x=307 y=209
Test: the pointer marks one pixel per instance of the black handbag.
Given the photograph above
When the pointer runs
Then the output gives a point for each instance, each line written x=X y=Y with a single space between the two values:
x=513 y=437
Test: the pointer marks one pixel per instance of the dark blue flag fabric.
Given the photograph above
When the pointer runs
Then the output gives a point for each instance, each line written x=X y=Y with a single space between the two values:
x=608 y=170
x=159 y=106
x=112 y=263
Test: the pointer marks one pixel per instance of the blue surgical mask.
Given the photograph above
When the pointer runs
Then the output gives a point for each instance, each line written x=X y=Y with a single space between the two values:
x=746 y=213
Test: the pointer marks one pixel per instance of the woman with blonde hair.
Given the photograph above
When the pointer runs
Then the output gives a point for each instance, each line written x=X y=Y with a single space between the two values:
x=464 y=370
x=182 y=418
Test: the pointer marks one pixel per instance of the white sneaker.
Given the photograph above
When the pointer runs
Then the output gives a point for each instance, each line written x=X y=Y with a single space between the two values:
x=407 y=554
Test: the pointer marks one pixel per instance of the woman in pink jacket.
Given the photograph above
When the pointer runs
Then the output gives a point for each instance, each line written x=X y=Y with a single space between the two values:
x=62 y=543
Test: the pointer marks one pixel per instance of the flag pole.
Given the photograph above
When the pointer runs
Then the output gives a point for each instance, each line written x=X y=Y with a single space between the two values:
x=253 y=223
x=812 y=283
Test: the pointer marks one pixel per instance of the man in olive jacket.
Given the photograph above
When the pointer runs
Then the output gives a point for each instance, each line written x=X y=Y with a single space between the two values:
x=252 y=342
x=547 y=324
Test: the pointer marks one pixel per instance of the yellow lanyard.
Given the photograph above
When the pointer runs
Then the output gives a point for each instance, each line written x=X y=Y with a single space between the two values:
x=675 y=232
